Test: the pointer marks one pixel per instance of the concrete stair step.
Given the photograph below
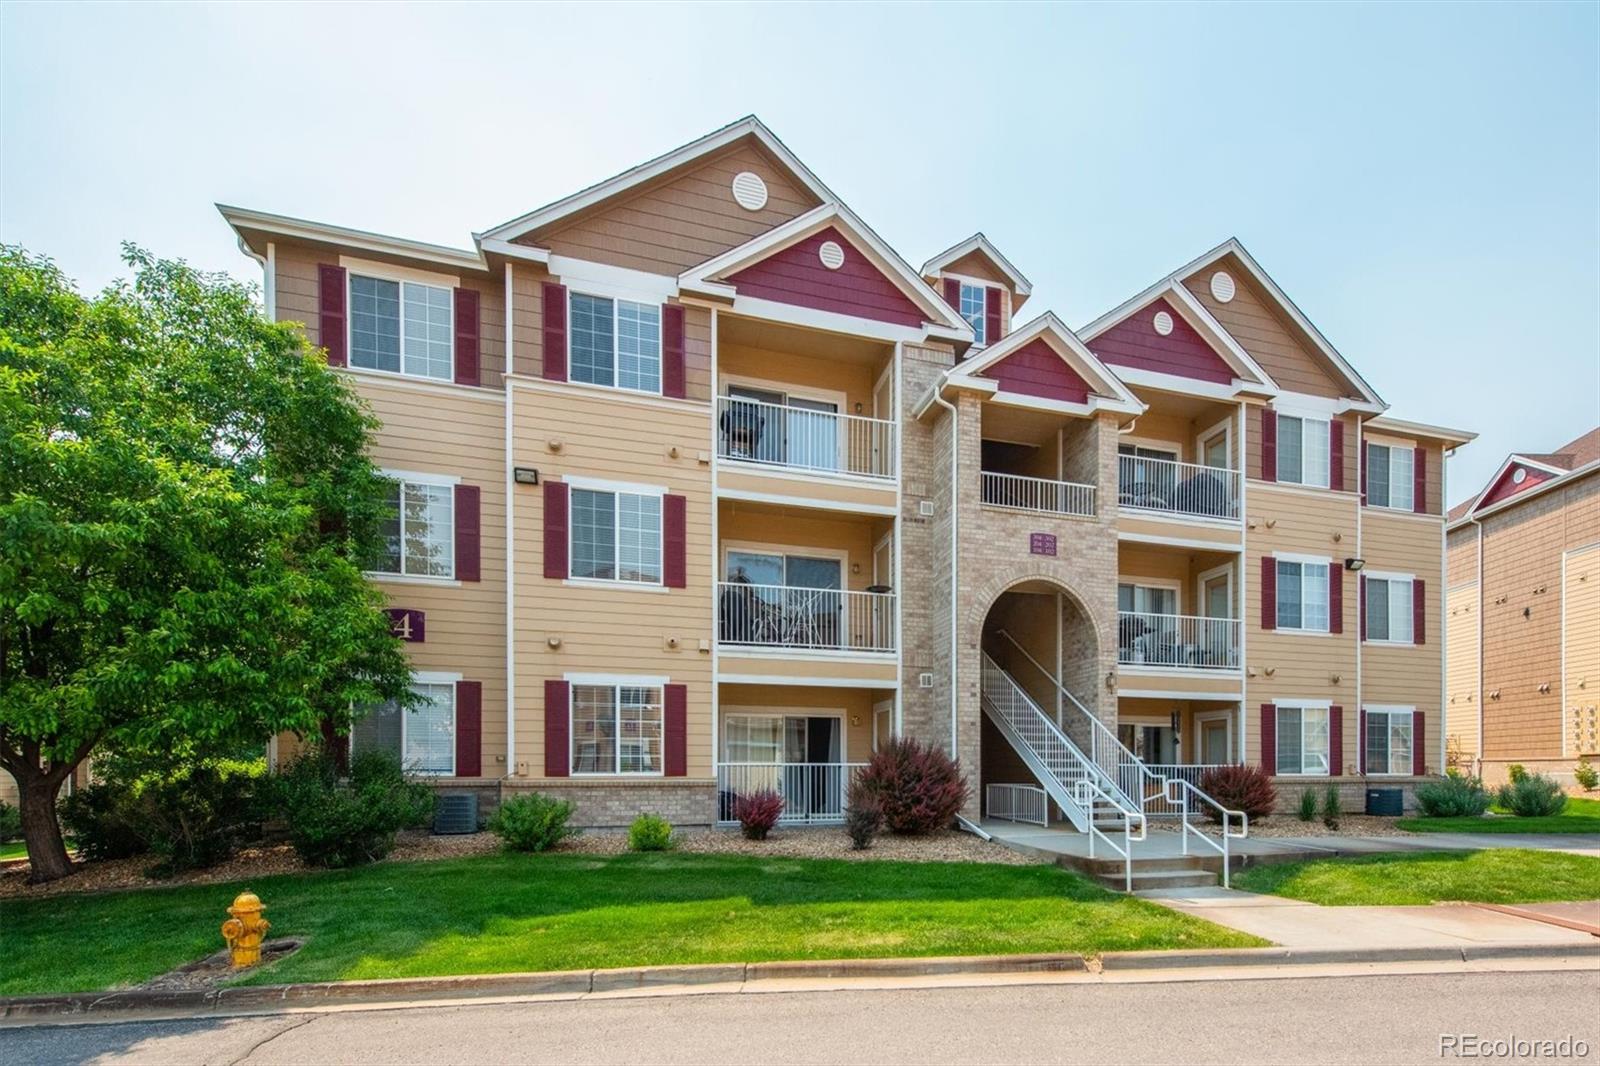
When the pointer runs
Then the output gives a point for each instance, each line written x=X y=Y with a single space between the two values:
x=1158 y=879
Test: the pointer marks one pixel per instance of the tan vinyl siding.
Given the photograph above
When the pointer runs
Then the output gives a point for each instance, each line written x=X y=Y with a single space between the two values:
x=1461 y=677
x=854 y=705
x=1352 y=451
x=680 y=220
x=1266 y=333
x=757 y=526
x=1461 y=546
x=1407 y=676
x=621 y=629
x=802 y=375
x=976 y=265
x=1581 y=603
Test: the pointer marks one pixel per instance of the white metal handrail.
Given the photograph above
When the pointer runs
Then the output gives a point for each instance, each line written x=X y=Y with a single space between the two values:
x=1182 y=794
x=785 y=616
x=798 y=438
x=1037 y=494
x=1189 y=641
x=1017 y=803
x=1178 y=488
x=813 y=792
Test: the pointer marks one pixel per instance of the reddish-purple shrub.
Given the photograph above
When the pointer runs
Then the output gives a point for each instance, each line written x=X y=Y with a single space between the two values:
x=919 y=788
x=758 y=812
x=1239 y=788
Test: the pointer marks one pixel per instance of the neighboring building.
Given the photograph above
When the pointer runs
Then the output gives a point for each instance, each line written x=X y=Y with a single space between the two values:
x=701 y=487
x=1524 y=615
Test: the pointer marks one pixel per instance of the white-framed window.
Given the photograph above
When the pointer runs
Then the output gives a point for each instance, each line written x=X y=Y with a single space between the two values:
x=1302 y=739
x=422 y=738
x=616 y=728
x=1389 y=617
x=1389 y=739
x=614 y=342
x=1303 y=450
x=417 y=533
x=1390 y=477
x=402 y=327
x=975 y=309
x=615 y=534
x=1302 y=591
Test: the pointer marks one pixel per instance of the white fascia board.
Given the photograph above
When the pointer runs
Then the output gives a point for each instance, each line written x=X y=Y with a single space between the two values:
x=1453 y=437
x=1515 y=459
x=974 y=243
x=831 y=321
x=1211 y=390
x=1047 y=323
x=513 y=251
x=711 y=142
x=1245 y=368
x=241 y=219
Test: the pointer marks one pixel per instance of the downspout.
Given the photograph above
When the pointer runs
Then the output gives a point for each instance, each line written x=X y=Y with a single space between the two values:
x=269 y=281
x=511 y=547
x=955 y=566
x=1480 y=745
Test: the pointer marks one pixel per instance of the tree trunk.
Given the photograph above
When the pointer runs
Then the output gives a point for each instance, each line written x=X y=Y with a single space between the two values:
x=47 y=852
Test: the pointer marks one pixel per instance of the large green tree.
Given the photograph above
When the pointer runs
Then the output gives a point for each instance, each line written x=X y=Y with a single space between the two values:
x=185 y=497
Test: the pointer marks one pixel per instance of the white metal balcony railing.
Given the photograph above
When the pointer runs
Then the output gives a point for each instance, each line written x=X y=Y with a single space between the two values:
x=812 y=792
x=1017 y=803
x=796 y=438
x=783 y=616
x=1177 y=640
x=1037 y=494
x=1177 y=488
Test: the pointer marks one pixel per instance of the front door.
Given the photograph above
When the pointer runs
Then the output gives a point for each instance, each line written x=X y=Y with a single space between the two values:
x=1214 y=742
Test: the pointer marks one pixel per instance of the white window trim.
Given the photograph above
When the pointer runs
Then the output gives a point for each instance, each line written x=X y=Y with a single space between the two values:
x=761 y=548
x=616 y=682
x=399 y=275
x=428 y=678
x=1315 y=560
x=1204 y=576
x=598 y=292
x=1204 y=718
x=1173 y=446
x=973 y=283
x=615 y=487
x=1366 y=732
x=1366 y=598
x=1225 y=427
x=1411 y=483
x=1302 y=705
x=436 y=481
x=840 y=400
x=793 y=712
x=1305 y=415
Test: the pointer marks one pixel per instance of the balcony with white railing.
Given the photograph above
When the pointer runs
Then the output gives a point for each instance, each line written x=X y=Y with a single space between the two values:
x=1165 y=486
x=1178 y=641
x=813 y=792
x=786 y=617
x=1037 y=495
x=783 y=437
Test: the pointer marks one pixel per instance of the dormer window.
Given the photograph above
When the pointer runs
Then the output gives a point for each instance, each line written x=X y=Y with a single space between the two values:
x=974 y=306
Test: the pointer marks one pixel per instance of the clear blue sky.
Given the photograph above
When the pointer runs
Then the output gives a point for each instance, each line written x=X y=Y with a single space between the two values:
x=1424 y=180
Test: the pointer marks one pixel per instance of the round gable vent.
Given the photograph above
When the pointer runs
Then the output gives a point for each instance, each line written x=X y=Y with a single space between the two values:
x=831 y=254
x=1163 y=323
x=749 y=190
x=1519 y=475
x=1222 y=286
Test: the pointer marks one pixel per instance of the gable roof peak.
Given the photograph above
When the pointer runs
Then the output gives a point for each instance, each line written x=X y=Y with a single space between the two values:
x=979 y=242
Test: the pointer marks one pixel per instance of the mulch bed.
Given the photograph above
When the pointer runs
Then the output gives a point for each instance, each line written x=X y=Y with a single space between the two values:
x=215 y=970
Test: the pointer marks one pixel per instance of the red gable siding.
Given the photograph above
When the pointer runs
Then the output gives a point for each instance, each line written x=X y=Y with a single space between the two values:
x=796 y=276
x=1135 y=342
x=1506 y=488
x=1036 y=370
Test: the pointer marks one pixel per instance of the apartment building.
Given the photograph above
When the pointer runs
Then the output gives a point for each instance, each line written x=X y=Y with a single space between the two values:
x=1523 y=625
x=701 y=488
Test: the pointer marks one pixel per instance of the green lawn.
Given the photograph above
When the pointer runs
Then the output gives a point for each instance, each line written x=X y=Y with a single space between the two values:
x=1498 y=875
x=1580 y=816
x=13 y=849
x=554 y=912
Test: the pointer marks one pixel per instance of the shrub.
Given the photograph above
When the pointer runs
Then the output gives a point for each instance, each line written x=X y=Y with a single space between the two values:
x=758 y=812
x=1308 y=806
x=347 y=823
x=532 y=822
x=103 y=823
x=1332 y=807
x=1586 y=775
x=10 y=822
x=1517 y=772
x=863 y=816
x=919 y=789
x=1240 y=788
x=650 y=832
x=1454 y=797
x=1533 y=796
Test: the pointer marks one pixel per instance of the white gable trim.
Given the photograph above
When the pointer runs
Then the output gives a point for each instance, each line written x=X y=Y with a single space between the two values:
x=1247 y=372
x=979 y=243
x=241 y=218
x=1111 y=393
x=628 y=179
x=1513 y=460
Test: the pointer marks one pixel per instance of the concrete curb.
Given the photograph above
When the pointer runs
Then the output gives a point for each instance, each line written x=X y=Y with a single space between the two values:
x=1171 y=960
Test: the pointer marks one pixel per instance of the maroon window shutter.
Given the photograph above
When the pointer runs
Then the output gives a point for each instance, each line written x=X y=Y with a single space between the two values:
x=1269 y=593
x=1335 y=597
x=1336 y=455
x=675 y=731
x=336 y=745
x=330 y=312
x=466 y=336
x=1364 y=449
x=1336 y=740
x=952 y=293
x=1361 y=740
x=672 y=370
x=991 y=315
x=1419 y=743
x=557 y=737
x=1419 y=481
x=674 y=541
x=555 y=332
x=1419 y=611
x=1269 y=737
x=469 y=728
x=1269 y=445
x=555 y=529
x=468 y=529
x=1361 y=605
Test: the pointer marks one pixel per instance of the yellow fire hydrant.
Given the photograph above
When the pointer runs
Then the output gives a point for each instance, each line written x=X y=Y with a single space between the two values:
x=245 y=929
